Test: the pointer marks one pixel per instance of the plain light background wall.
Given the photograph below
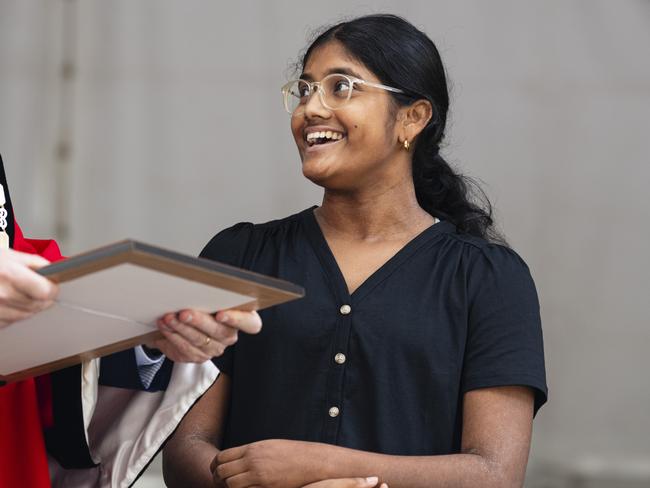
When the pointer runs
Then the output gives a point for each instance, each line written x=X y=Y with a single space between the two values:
x=162 y=120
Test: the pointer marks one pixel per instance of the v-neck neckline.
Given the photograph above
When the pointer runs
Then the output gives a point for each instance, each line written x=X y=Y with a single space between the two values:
x=333 y=270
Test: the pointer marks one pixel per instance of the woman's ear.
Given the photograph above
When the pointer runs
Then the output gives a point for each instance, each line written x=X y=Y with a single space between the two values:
x=414 y=119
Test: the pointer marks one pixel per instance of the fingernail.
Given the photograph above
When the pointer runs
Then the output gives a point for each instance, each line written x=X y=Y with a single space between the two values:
x=188 y=318
x=226 y=319
x=372 y=480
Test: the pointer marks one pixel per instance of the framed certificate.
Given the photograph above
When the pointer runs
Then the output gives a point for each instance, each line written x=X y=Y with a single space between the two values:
x=111 y=297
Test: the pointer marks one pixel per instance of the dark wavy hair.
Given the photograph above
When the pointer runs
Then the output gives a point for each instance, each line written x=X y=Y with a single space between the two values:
x=402 y=56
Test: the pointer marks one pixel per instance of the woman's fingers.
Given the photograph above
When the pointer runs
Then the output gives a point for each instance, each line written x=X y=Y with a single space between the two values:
x=233 y=468
x=229 y=455
x=214 y=463
x=242 y=480
x=369 y=482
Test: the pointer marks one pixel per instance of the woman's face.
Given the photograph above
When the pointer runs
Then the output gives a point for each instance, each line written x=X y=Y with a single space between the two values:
x=367 y=140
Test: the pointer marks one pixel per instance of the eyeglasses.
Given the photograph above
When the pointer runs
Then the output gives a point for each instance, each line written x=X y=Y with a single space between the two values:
x=334 y=90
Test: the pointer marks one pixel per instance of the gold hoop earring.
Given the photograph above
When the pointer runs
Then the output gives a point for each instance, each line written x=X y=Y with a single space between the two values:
x=407 y=144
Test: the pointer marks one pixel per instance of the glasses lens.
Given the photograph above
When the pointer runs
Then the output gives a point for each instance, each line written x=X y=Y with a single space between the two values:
x=295 y=94
x=337 y=90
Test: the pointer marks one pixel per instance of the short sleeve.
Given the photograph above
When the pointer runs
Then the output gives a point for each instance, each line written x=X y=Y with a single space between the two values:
x=504 y=338
x=229 y=247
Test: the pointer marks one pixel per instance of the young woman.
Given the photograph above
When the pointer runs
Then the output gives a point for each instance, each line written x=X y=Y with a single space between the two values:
x=417 y=354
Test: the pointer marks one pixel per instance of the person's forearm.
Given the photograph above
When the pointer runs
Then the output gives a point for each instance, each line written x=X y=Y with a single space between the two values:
x=187 y=464
x=192 y=448
x=456 y=470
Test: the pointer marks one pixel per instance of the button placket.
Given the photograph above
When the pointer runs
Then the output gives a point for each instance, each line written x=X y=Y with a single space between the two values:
x=336 y=394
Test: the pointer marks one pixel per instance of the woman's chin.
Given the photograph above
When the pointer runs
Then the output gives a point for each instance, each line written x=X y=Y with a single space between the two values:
x=317 y=170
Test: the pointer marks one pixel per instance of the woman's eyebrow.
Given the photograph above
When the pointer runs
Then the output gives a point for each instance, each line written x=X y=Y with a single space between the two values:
x=340 y=70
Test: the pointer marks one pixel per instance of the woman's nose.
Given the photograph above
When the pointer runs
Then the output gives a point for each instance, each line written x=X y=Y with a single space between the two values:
x=314 y=106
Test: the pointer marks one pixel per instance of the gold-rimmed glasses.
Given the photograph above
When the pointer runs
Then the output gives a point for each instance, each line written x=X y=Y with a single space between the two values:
x=334 y=91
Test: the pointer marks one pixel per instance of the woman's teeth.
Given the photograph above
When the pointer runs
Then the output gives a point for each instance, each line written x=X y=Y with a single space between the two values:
x=323 y=137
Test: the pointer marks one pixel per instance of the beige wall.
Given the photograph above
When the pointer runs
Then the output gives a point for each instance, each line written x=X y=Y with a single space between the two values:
x=176 y=129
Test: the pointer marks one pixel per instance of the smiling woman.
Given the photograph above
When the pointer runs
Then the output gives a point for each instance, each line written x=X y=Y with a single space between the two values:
x=416 y=356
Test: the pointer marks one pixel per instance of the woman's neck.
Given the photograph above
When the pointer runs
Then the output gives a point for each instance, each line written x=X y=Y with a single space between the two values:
x=373 y=214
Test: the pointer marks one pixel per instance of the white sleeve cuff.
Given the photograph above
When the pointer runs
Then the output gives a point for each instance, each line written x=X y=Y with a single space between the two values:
x=142 y=359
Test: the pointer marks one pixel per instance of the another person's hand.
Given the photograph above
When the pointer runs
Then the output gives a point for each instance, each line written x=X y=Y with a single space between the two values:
x=348 y=483
x=191 y=336
x=23 y=292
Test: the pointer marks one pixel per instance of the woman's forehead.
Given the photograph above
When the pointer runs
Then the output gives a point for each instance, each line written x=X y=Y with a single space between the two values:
x=333 y=57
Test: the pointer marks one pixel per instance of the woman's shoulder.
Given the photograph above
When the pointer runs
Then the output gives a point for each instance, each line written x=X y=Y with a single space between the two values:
x=481 y=252
x=485 y=263
x=233 y=244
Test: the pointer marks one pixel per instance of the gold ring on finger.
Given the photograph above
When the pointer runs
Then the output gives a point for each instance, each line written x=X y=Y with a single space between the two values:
x=208 y=339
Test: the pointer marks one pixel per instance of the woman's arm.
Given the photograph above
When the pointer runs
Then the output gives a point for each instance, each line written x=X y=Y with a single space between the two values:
x=497 y=426
x=189 y=452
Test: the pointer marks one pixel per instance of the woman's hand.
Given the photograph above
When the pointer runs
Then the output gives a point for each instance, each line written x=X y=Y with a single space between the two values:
x=277 y=463
x=274 y=463
x=348 y=483
x=191 y=336
x=23 y=291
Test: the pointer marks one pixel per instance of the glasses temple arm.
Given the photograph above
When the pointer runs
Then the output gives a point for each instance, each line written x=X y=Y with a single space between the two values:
x=379 y=85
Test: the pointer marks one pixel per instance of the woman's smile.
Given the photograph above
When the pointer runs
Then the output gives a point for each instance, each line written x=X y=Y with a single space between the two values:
x=320 y=138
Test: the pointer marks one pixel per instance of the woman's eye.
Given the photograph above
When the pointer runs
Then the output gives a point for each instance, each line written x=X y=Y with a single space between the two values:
x=303 y=91
x=342 y=87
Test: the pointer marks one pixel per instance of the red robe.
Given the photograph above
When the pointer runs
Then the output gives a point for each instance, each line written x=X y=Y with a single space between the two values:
x=25 y=407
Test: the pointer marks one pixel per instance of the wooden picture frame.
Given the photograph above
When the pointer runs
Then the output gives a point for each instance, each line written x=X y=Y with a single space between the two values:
x=156 y=267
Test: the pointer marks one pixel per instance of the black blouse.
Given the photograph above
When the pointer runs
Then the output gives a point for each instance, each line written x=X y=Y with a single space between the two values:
x=385 y=368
